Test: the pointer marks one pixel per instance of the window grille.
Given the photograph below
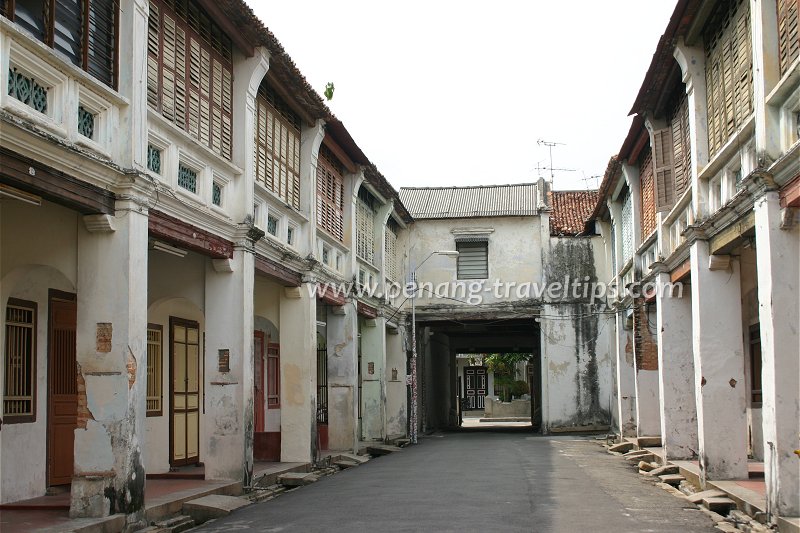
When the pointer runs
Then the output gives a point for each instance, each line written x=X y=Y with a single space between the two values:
x=273 y=376
x=27 y=90
x=391 y=260
x=627 y=228
x=85 y=31
x=85 y=122
x=153 y=159
x=190 y=73
x=277 y=150
x=187 y=178
x=216 y=194
x=473 y=259
x=330 y=194
x=20 y=362
x=290 y=236
x=272 y=225
x=729 y=71
x=154 y=369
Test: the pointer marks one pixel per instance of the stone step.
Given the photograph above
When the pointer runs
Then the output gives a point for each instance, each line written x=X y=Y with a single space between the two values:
x=360 y=459
x=648 y=442
x=645 y=466
x=672 y=479
x=382 y=449
x=666 y=469
x=719 y=504
x=296 y=479
x=622 y=447
x=213 y=506
x=646 y=457
x=345 y=463
x=635 y=453
x=698 y=497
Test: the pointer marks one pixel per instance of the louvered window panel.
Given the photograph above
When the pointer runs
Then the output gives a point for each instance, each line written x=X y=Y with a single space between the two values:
x=647 y=191
x=20 y=362
x=391 y=260
x=729 y=71
x=277 y=149
x=154 y=370
x=189 y=73
x=627 y=228
x=681 y=147
x=330 y=194
x=473 y=260
x=788 y=33
x=365 y=231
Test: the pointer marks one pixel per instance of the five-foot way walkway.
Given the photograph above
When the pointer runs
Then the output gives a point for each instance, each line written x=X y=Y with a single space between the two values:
x=479 y=482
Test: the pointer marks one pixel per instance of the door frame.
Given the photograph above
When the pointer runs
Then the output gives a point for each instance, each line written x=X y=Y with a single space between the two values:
x=55 y=294
x=173 y=320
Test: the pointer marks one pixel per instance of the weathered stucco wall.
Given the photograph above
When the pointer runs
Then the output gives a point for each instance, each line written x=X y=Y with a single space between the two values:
x=396 y=388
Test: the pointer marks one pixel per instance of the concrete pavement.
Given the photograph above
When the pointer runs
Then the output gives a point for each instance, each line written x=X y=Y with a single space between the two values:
x=479 y=481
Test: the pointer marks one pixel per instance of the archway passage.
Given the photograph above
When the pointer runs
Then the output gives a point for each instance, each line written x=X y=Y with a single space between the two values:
x=461 y=382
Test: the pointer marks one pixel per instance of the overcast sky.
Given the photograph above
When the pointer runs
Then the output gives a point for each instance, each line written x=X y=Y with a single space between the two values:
x=449 y=92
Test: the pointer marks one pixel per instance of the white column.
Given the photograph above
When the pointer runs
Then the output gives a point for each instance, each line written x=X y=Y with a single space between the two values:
x=718 y=367
x=112 y=364
x=676 y=371
x=373 y=383
x=778 y=256
x=766 y=74
x=625 y=379
x=229 y=389
x=343 y=398
x=298 y=386
x=396 y=389
x=648 y=413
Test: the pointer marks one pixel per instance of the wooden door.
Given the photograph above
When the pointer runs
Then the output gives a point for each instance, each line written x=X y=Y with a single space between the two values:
x=475 y=386
x=258 y=382
x=62 y=388
x=184 y=391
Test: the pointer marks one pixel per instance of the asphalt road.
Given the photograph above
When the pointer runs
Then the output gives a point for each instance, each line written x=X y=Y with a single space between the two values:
x=479 y=481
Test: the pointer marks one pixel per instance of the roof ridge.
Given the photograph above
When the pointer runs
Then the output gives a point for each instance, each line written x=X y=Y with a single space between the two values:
x=449 y=187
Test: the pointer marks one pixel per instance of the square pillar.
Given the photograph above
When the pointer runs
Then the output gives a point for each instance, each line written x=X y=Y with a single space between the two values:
x=648 y=413
x=396 y=389
x=625 y=379
x=111 y=359
x=718 y=349
x=373 y=382
x=343 y=398
x=298 y=383
x=778 y=256
x=229 y=367
x=676 y=371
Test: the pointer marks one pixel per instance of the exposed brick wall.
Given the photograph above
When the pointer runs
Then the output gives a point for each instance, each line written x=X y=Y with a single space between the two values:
x=646 y=180
x=644 y=340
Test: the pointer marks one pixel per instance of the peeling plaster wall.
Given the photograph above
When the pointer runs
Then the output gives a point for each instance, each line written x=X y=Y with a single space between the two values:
x=342 y=339
x=750 y=317
x=373 y=377
x=577 y=366
x=396 y=389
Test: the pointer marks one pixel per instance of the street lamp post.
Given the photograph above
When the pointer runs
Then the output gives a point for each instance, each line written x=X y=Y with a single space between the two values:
x=413 y=429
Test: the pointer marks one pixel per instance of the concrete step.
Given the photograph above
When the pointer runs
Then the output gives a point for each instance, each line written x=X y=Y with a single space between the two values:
x=672 y=479
x=345 y=463
x=635 y=453
x=646 y=457
x=666 y=469
x=645 y=467
x=175 y=524
x=213 y=506
x=648 y=442
x=360 y=459
x=719 y=504
x=382 y=449
x=296 y=479
x=697 y=497
x=622 y=447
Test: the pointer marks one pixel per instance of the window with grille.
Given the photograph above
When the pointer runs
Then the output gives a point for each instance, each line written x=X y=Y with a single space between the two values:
x=473 y=259
x=729 y=71
x=788 y=33
x=330 y=194
x=391 y=259
x=277 y=149
x=290 y=235
x=627 y=227
x=187 y=178
x=154 y=370
x=153 y=159
x=216 y=194
x=272 y=225
x=27 y=90
x=85 y=31
x=273 y=376
x=190 y=72
x=365 y=226
x=19 y=397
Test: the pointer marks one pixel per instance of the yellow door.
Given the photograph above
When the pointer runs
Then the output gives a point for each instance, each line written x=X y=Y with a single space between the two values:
x=185 y=391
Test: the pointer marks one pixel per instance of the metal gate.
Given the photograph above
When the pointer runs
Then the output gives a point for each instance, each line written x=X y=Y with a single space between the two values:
x=322 y=380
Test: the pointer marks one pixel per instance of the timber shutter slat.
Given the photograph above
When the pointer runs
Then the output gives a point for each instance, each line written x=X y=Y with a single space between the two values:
x=663 y=169
x=788 y=33
x=473 y=260
x=330 y=194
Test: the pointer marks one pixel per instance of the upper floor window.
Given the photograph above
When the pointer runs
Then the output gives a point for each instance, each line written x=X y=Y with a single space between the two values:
x=189 y=72
x=365 y=225
x=646 y=178
x=627 y=225
x=85 y=31
x=391 y=261
x=473 y=259
x=729 y=71
x=788 y=33
x=277 y=150
x=330 y=193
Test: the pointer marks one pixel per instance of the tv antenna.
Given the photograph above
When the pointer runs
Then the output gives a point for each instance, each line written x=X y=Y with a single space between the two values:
x=594 y=177
x=550 y=145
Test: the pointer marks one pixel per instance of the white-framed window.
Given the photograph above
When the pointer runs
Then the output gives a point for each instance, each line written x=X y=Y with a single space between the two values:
x=216 y=193
x=473 y=259
x=19 y=394
x=326 y=255
x=338 y=262
x=365 y=225
x=273 y=224
x=291 y=234
x=714 y=194
x=188 y=178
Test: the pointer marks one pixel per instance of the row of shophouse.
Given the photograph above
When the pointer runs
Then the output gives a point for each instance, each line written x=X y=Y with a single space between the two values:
x=173 y=194
x=704 y=193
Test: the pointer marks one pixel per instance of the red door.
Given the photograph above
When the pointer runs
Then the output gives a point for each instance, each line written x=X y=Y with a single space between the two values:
x=62 y=381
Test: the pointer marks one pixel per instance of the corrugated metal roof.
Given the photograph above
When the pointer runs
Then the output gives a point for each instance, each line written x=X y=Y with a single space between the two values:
x=466 y=202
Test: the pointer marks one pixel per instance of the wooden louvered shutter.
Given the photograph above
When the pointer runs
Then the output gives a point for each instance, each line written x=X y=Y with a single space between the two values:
x=681 y=147
x=101 y=46
x=663 y=169
x=153 y=40
x=473 y=260
x=788 y=33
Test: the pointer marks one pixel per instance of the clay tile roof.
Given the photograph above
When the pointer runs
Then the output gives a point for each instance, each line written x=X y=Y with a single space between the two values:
x=570 y=209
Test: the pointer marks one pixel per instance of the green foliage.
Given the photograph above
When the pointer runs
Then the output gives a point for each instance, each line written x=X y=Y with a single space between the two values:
x=518 y=388
x=504 y=367
x=329 y=88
